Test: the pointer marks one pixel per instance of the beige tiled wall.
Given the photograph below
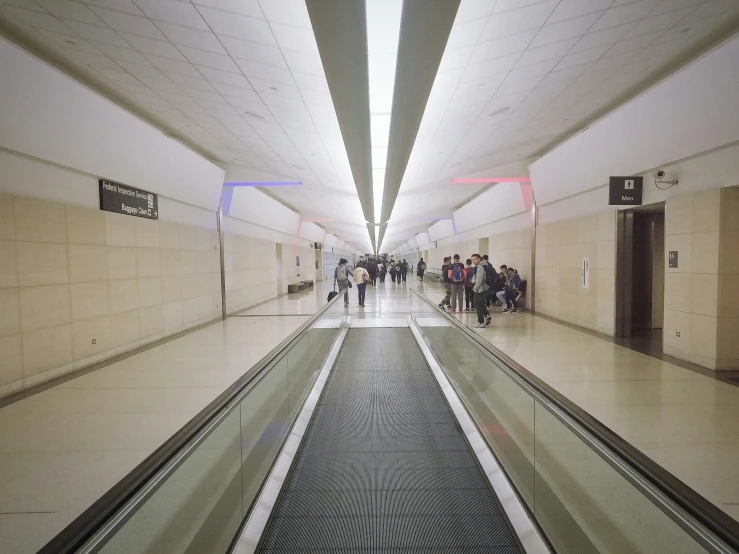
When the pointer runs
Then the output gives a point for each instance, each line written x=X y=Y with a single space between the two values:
x=560 y=248
x=251 y=271
x=512 y=249
x=702 y=293
x=71 y=275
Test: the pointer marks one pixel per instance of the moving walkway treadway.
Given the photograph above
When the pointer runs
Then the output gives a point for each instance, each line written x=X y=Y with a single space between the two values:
x=415 y=439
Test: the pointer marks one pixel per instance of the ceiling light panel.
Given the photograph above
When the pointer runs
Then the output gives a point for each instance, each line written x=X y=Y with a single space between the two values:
x=546 y=65
x=383 y=33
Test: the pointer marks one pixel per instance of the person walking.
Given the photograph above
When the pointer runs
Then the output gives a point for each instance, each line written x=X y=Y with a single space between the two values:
x=392 y=270
x=456 y=277
x=404 y=269
x=361 y=278
x=479 y=288
x=421 y=268
x=372 y=270
x=469 y=282
x=447 y=282
x=342 y=275
x=381 y=271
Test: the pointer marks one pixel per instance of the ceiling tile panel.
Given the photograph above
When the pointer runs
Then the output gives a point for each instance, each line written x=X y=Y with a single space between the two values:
x=569 y=9
x=209 y=59
x=134 y=24
x=466 y=33
x=518 y=20
x=175 y=66
x=548 y=52
x=185 y=36
x=563 y=30
x=289 y=12
x=105 y=34
x=172 y=11
x=253 y=51
x=70 y=10
x=125 y=6
x=39 y=20
x=150 y=46
x=243 y=7
x=125 y=54
x=238 y=26
x=628 y=13
x=266 y=72
x=235 y=79
x=502 y=47
x=602 y=38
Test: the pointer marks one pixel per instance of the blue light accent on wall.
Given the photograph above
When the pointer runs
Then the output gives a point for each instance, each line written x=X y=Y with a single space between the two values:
x=226 y=195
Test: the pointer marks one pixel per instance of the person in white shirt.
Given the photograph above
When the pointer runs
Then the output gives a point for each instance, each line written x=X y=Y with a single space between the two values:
x=361 y=278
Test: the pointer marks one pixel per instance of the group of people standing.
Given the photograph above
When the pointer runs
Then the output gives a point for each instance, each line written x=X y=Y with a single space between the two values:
x=367 y=272
x=480 y=285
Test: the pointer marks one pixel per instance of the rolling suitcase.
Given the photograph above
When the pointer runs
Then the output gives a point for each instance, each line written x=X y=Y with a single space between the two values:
x=332 y=294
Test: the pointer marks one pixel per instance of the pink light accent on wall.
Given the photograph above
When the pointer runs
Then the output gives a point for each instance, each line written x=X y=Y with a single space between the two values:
x=493 y=180
x=318 y=220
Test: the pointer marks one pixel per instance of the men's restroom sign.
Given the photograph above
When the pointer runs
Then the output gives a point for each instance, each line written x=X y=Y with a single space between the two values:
x=625 y=191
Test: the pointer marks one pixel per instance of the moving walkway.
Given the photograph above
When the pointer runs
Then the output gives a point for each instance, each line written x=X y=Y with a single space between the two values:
x=422 y=438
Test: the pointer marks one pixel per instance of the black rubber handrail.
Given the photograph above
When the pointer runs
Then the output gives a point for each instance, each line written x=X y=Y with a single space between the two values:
x=694 y=504
x=79 y=531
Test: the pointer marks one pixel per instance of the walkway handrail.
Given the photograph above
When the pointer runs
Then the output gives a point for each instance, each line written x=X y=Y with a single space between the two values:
x=158 y=463
x=669 y=493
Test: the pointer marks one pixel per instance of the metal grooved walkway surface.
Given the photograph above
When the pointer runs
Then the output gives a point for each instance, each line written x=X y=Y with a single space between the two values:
x=384 y=466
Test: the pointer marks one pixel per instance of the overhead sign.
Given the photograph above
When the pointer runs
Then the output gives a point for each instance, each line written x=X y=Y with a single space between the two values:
x=122 y=199
x=625 y=191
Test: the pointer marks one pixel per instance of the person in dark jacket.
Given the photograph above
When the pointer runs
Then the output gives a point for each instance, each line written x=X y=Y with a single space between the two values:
x=404 y=269
x=469 y=282
x=446 y=301
x=421 y=268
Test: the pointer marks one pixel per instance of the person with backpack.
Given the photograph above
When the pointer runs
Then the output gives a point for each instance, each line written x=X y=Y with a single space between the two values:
x=469 y=282
x=512 y=286
x=372 y=270
x=404 y=269
x=421 y=268
x=341 y=278
x=447 y=282
x=456 y=277
x=361 y=278
x=483 y=276
x=393 y=270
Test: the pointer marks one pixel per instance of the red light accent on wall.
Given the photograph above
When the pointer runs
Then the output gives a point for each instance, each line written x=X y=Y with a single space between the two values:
x=493 y=180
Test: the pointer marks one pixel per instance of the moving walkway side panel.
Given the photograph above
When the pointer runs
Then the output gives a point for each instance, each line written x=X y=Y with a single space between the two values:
x=384 y=464
x=587 y=488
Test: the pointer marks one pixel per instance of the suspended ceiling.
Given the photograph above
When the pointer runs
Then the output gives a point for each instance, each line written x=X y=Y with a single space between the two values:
x=242 y=82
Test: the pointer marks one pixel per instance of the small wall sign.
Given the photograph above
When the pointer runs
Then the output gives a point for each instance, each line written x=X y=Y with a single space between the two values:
x=586 y=273
x=672 y=259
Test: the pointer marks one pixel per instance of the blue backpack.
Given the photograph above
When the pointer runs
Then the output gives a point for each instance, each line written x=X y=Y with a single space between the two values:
x=457 y=273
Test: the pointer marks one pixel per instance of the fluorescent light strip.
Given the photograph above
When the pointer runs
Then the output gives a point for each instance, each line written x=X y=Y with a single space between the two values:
x=493 y=180
x=383 y=34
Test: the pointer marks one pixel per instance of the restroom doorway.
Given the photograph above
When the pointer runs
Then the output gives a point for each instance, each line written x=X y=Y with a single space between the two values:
x=640 y=276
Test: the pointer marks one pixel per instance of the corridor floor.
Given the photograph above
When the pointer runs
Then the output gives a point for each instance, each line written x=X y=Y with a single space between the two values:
x=63 y=448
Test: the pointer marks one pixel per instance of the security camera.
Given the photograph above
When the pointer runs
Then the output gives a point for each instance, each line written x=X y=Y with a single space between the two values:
x=659 y=179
